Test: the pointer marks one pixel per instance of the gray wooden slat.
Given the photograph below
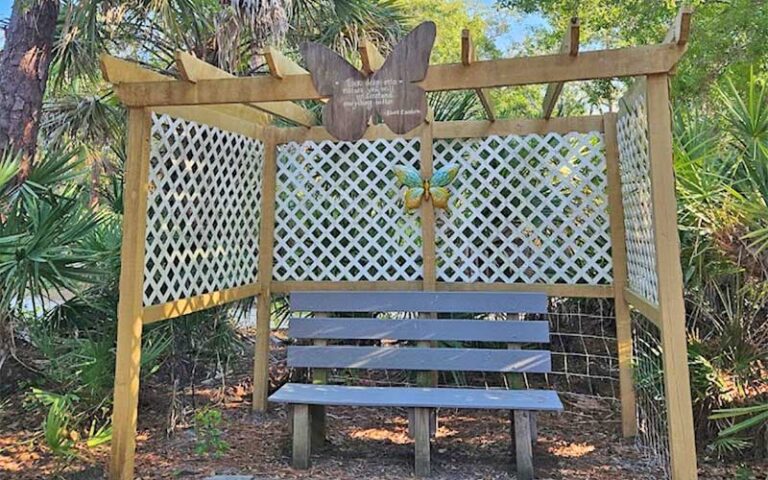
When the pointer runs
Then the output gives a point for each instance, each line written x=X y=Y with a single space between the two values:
x=417 y=397
x=417 y=358
x=440 y=302
x=412 y=329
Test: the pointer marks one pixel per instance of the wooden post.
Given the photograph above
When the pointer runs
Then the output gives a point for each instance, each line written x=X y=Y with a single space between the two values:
x=264 y=300
x=619 y=258
x=302 y=443
x=523 y=445
x=129 y=311
x=670 y=280
x=317 y=412
x=421 y=427
x=429 y=265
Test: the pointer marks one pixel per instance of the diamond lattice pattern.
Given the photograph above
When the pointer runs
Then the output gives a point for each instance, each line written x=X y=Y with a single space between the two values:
x=526 y=209
x=203 y=210
x=339 y=216
x=636 y=198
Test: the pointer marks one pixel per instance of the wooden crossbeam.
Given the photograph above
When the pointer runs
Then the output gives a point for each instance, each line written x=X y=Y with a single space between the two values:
x=569 y=45
x=122 y=72
x=281 y=66
x=681 y=27
x=467 y=57
x=624 y=62
x=193 y=70
x=371 y=57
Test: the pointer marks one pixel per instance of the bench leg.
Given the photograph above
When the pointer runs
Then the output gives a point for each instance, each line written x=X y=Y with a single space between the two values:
x=534 y=428
x=432 y=423
x=301 y=436
x=421 y=421
x=523 y=445
x=317 y=418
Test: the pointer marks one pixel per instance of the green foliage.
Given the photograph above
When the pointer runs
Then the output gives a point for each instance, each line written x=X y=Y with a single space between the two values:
x=209 y=441
x=56 y=426
x=728 y=439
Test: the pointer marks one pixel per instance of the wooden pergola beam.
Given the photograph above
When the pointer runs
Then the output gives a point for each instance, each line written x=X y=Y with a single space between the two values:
x=370 y=56
x=624 y=62
x=467 y=57
x=281 y=66
x=569 y=45
x=121 y=72
x=681 y=27
x=193 y=70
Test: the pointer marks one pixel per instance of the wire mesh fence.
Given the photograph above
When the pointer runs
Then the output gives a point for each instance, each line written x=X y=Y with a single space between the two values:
x=651 y=405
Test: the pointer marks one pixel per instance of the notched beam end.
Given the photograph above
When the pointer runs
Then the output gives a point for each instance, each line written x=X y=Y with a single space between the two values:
x=680 y=29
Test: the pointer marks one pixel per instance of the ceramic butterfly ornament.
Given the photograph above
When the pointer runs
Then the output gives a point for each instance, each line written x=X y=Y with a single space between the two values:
x=418 y=189
x=390 y=93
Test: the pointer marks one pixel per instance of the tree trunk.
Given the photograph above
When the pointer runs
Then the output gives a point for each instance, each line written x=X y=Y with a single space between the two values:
x=24 y=64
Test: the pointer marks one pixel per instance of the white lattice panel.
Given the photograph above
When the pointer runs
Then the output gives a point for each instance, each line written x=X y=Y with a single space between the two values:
x=527 y=209
x=203 y=210
x=636 y=198
x=339 y=216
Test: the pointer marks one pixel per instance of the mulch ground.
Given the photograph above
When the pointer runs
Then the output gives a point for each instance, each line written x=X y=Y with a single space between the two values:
x=363 y=443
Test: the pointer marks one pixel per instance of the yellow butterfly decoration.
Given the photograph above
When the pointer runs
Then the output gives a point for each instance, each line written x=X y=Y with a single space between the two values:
x=418 y=188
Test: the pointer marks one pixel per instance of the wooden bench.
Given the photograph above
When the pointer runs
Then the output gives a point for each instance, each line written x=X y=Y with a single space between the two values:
x=309 y=400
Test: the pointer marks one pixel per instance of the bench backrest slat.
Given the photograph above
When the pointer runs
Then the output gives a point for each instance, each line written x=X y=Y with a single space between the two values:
x=412 y=329
x=418 y=358
x=438 y=302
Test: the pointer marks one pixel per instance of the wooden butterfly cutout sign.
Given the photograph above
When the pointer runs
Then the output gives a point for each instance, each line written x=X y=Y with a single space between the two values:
x=390 y=93
x=417 y=188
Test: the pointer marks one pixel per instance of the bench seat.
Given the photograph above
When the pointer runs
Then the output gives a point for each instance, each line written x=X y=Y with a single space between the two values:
x=495 y=399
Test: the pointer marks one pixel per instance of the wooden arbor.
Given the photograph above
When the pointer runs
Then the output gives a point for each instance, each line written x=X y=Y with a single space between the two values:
x=222 y=206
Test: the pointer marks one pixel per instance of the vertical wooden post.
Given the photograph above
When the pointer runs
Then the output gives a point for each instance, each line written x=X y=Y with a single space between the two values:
x=421 y=428
x=670 y=280
x=619 y=260
x=302 y=442
x=129 y=310
x=429 y=265
x=427 y=209
x=264 y=300
x=317 y=412
x=523 y=445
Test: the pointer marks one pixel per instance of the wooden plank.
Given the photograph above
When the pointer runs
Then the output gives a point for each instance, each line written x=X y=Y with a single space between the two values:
x=281 y=66
x=467 y=57
x=264 y=301
x=491 y=399
x=121 y=72
x=193 y=69
x=302 y=442
x=569 y=45
x=440 y=302
x=177 y=308
x=129 y=309
x=410 y=329
x=418 y=358
x=646 y=309
x=626 y=62
x=214 y=118
x=421 y=437
x=459 y=129
x=680 y=29
x=682 y=444
x=619 y=261
x=523 y=447
x=549 y=289
x=369 y=55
